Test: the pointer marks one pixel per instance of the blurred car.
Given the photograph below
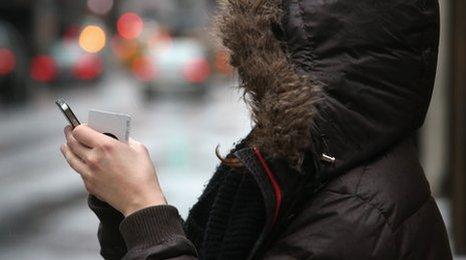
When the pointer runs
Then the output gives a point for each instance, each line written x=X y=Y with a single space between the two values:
x=13 y=65
x=67 y=61
x=177 y=65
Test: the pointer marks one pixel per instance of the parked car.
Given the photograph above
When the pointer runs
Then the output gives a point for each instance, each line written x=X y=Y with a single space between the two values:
x=178 y=65
x=13 y=66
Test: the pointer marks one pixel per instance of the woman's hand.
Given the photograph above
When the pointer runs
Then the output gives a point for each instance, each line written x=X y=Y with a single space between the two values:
x=120 y=174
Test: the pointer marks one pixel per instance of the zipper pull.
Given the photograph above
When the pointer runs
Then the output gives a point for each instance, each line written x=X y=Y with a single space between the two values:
x=327 y=158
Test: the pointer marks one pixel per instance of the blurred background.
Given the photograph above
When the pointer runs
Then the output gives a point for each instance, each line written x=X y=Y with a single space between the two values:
x=157 y=61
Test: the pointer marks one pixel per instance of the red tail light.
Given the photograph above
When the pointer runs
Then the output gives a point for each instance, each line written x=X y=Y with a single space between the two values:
x=7 y=61
x=88 y=67
x=197 y=71
x=43 y=68
x=130 y=25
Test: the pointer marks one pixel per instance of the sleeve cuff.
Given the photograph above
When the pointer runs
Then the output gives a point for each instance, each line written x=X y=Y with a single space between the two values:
x=94 y=202
x=151 y=226
x=106 y=213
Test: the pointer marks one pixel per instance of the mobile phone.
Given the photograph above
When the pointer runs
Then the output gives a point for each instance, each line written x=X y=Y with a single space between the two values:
x=67 y=112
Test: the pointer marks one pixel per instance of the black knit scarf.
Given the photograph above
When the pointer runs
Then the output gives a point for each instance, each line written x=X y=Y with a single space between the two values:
x=229 y=216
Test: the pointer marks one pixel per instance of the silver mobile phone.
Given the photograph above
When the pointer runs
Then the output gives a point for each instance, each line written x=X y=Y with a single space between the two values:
x=68 y=113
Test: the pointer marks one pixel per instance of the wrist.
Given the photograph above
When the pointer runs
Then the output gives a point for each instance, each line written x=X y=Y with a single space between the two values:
x=144 y=203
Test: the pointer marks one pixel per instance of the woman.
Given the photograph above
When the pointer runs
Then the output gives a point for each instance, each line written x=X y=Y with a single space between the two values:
x=329 y=171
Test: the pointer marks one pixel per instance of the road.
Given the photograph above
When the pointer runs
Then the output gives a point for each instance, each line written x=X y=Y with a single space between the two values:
x=44 y=213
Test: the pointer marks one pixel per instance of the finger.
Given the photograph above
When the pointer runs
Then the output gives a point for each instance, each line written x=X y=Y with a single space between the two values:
x=74 y=161
x=89 y=137
x=76 y=147
x=67 y=129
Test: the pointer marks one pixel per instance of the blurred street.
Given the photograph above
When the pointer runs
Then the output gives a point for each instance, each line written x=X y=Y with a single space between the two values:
x=45 y=215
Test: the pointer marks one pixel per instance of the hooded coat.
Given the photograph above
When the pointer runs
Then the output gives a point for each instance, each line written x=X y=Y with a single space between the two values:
x=337 y=90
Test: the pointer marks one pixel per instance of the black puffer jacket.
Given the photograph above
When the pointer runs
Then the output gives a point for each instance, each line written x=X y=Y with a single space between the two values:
x=347 y=79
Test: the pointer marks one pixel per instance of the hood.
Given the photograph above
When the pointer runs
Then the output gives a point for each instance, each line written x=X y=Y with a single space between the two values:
x=341 y=78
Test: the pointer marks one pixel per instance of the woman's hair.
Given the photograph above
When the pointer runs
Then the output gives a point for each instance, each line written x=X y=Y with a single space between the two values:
x=229 y=160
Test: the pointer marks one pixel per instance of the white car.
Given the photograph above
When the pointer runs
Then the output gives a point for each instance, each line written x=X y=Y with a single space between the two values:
x=178 y=65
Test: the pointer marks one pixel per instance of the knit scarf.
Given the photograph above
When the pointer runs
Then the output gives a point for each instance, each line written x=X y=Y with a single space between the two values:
x=228 y=218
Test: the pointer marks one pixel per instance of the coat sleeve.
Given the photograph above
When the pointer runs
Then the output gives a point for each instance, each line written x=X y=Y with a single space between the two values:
x=112 y=245
x=151 y=233
x=336 y=226
x=156 y=233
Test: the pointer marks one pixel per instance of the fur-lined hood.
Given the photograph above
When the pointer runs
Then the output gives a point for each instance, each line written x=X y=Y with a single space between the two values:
x=378 y=74
x=282 y=102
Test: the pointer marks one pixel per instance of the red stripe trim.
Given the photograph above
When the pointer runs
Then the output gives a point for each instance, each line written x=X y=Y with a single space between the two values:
x=276 y=187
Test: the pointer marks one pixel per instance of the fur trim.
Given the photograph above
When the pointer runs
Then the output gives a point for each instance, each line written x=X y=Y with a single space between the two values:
x=282 y=103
